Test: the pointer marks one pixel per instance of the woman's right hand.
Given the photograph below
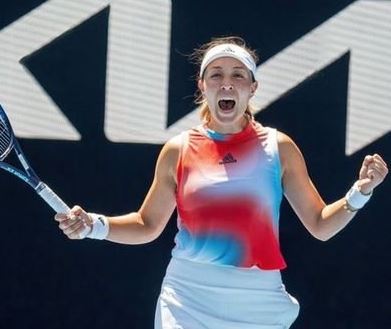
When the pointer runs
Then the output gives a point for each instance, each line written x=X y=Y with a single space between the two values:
x=77 y=224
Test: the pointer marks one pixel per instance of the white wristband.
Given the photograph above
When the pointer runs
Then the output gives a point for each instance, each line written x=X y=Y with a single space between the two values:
x=355 y=198
x=100 y=227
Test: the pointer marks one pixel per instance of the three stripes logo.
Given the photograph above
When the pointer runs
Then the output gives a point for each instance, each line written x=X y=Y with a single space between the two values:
x=228 y=158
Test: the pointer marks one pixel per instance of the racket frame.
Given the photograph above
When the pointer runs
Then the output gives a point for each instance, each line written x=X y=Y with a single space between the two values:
x=29 y=176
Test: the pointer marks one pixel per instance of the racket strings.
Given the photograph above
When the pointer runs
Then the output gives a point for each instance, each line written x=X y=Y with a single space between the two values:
x=5 y=140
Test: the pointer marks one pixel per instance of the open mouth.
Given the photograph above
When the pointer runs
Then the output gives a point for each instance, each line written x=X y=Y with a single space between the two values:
x=226 y=104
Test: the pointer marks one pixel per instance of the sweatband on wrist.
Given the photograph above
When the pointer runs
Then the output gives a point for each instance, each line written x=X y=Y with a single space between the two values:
x=100 y=227
x=355 y=199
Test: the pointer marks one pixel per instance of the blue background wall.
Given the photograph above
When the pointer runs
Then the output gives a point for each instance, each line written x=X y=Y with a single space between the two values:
x=48 y=281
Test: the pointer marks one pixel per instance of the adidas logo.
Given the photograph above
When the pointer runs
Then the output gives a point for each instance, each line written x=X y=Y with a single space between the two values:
x=228 y=158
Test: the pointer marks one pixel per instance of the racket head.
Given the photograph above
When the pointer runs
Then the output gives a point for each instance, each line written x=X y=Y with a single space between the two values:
x=6 y=135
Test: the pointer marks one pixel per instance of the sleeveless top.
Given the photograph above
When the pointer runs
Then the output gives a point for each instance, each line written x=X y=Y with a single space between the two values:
x=228 y=198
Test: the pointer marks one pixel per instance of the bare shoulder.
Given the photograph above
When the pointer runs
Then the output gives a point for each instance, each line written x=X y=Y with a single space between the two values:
x=172 y=149
x=168 y=157
x=290 y=154
x=175 y=142
x=286 y=145
x=283 y=138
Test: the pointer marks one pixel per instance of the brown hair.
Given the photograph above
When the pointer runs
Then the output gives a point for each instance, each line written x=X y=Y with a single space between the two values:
x=197 y=57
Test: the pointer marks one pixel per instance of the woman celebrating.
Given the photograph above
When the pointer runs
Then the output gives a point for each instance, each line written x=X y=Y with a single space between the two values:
x=226 y=178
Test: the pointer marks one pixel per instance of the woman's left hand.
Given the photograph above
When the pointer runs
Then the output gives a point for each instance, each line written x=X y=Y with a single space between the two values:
x=372 y=173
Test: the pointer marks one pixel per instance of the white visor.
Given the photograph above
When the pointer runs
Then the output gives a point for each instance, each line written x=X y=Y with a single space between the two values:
x=228 y=50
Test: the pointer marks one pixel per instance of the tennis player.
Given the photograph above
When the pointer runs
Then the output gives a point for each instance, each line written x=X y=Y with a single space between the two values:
x=226 y=178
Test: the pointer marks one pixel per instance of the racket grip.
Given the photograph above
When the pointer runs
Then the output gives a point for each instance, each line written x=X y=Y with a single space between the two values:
x=59 y=206
x=52 y=199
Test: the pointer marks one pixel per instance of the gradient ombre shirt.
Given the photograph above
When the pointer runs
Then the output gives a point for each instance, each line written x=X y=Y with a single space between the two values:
x=228 y=198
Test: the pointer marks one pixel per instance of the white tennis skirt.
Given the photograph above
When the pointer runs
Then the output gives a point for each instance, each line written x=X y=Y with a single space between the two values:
x=206 y=296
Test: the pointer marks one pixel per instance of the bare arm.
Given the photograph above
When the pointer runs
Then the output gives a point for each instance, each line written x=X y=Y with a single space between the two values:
x=149 y=221
x=321 y=220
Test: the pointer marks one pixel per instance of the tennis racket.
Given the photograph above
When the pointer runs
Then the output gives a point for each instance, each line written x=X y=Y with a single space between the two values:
x=8 y=142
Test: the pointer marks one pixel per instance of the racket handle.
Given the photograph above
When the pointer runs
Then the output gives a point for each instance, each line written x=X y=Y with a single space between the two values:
x=59 y=206
x=52 y=199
